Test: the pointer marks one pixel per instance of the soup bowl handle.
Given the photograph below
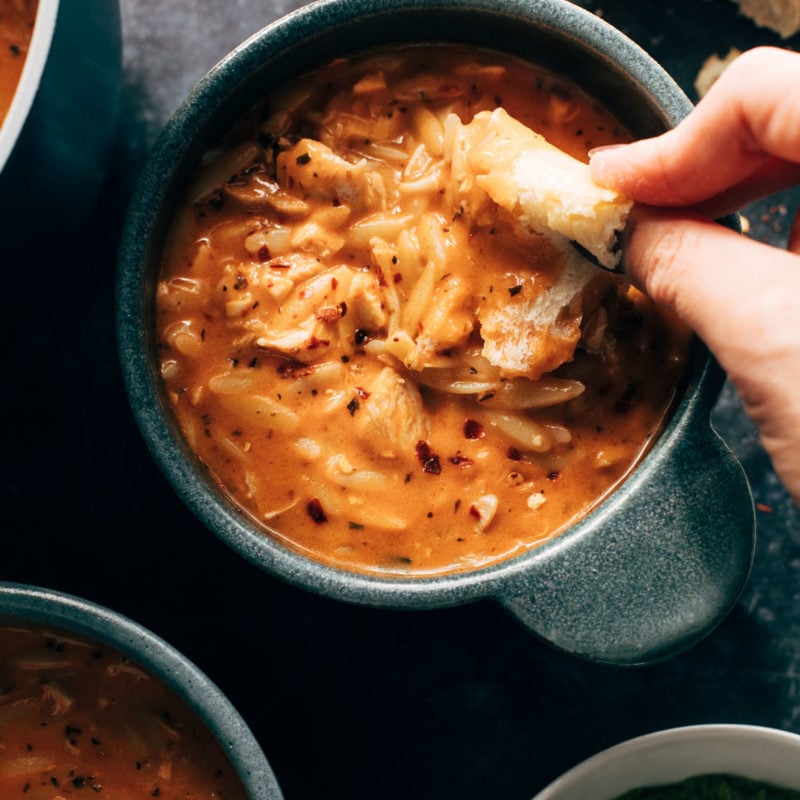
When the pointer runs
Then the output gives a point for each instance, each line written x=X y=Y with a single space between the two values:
x=657 y=574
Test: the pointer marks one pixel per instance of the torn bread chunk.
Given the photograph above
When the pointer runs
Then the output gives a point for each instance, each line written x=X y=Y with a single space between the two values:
x=538 y=329
x=544 y=188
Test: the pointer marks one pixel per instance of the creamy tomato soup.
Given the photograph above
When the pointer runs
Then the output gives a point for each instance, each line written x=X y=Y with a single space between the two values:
x=16 y=27
x=381 y=371
x=79 y=720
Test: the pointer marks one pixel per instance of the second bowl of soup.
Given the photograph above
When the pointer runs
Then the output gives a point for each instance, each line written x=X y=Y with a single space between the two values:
x=368 y=371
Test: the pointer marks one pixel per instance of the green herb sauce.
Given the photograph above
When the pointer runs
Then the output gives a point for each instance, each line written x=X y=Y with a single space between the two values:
x=713 y=787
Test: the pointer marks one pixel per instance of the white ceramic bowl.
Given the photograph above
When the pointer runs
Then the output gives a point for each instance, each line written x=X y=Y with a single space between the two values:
x=669 y=756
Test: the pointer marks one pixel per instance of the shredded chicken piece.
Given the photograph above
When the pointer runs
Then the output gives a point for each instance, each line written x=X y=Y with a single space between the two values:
x=313 y=168
x=394 y=414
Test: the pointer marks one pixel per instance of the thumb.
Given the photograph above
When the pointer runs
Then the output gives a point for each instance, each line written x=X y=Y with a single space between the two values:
x=743 y=299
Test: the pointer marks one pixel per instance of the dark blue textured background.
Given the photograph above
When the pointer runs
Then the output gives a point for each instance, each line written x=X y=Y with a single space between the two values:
x=347 y=702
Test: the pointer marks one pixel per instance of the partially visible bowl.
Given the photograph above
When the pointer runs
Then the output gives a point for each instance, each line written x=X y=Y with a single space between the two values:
x=56 y=139
x=23 y=606
x=670 y=756
x=654 y=567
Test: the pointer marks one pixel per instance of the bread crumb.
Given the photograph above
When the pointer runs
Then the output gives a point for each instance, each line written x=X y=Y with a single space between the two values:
x=712 y=68
x=745 y=223
x=781 y=16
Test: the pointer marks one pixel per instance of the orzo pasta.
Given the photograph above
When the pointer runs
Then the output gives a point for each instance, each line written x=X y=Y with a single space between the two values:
x=384 y=377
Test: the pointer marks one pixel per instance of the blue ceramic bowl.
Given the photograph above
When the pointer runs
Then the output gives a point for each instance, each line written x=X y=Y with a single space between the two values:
x=26 y=605
x=56 y=140
x=660 y=562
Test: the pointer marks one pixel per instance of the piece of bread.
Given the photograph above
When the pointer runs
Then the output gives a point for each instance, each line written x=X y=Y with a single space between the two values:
x=781 y=16
x=544 y=188
x=536 y=331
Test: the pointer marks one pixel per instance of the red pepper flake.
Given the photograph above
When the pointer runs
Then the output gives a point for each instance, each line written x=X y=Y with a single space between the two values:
x=553 y=475
x=397 y=277
x=263 y=253
x=362 y=393
x=316 y=511
x=353 y=406
x=314 y=343
x=513 y=454
x=514 y=290
x=379 y=275
x=303 y=159
x=279 y=266
x=428 y=459
x=764 y=507
x=293 y=369
x=361 y=337
x=461 y=461
x=473 y=429
x=474 y=512
x=240 y=282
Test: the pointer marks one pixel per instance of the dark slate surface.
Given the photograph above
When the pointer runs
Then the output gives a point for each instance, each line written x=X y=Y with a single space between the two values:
x=347 y=702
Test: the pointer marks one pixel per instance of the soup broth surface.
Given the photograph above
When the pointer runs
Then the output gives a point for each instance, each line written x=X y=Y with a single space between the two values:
x=79 y=720
x=16 y=27
x=325 y=305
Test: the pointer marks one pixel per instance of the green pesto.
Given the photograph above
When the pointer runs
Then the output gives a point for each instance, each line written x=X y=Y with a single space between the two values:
x=713 y=787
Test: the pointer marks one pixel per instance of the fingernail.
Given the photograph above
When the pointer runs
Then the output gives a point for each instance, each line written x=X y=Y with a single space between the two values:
x=604 y=149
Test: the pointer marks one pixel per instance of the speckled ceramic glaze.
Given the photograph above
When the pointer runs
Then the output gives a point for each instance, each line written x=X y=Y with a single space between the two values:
x=36 y=606
x=56 y=141
x=664 y=757
x=658 y=564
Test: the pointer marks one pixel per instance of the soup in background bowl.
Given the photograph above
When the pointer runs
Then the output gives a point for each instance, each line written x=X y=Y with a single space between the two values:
x=52 y=161
x=16 y=28
x=92 y=703
x=258 y=283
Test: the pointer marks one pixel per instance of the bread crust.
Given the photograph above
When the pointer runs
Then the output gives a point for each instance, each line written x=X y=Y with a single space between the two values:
x=541 y=186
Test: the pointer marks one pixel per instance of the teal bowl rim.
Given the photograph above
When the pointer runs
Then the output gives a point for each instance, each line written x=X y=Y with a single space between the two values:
x=67 y=613
x=564 y=21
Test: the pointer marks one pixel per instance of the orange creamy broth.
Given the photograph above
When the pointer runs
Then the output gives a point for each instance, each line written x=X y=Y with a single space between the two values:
x=16 y=27
x=327 y=420
x=79 y=720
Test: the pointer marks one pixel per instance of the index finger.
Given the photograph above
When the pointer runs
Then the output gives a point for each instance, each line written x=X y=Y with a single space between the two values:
x=749 y=118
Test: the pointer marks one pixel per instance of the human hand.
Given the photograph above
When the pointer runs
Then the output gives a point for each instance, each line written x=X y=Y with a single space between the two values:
x=740 y=296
